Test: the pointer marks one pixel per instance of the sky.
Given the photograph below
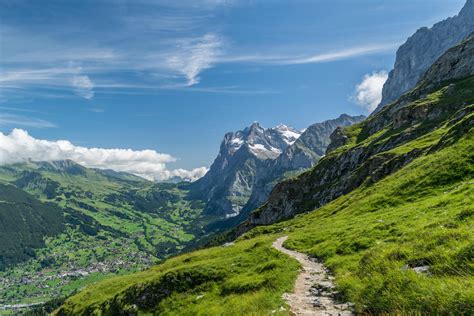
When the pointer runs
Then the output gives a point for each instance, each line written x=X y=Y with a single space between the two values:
x=151 y=87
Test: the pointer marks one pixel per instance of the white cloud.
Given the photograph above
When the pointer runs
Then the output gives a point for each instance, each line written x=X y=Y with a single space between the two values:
x=195 y=55
x=190 y=175
x=83 y=86
x=368 y=93
x=19 y=146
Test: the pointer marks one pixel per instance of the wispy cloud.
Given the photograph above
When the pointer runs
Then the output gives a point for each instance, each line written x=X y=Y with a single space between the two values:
x=341 y=54
x=51 y=78
x=166 y=70
x=141 y=46
x=7 y=119
x=195 y=55
x=83 y=86
x=322 y=57
x=19 y=146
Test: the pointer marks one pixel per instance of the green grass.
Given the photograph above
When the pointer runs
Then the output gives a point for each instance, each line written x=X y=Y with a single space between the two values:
x=421 y=214
x=246 y=278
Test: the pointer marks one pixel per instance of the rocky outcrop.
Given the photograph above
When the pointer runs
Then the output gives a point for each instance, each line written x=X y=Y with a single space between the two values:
x=422 y=49
x=456 y=63
x=374 y=151
x=338 y=139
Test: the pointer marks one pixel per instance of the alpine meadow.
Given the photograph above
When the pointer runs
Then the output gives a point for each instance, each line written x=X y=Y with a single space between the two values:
x=359 y=201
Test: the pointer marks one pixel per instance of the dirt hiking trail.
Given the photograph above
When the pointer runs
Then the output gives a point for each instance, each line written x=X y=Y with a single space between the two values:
x=314 y=289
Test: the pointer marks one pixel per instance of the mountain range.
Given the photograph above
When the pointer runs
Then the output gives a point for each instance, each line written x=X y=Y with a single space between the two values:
x=250 y=162
x=126 y=222
x=385 y=202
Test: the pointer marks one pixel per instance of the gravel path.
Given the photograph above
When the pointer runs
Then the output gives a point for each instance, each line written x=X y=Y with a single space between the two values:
x=314 y=289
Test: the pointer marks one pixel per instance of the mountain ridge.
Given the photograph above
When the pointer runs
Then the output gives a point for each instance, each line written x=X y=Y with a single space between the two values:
x=238 y=179
x=342 y=171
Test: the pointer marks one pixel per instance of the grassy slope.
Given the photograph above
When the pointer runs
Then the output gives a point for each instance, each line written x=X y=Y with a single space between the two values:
x=371 y=238
x=244 y=278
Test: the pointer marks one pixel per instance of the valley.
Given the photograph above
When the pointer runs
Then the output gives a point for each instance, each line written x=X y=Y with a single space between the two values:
x=111 y=223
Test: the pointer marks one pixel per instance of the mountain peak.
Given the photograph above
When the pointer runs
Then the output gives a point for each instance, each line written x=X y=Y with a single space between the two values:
x=255 y=124
x=281 y=126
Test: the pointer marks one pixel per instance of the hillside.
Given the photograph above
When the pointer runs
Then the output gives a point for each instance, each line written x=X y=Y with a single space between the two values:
x=64 y=225
x=19 y=241
x=388 y=210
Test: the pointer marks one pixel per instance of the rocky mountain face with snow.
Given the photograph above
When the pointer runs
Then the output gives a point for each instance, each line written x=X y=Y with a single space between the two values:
x=422 y=49
x=303 y=154
x=251 y=161
x=229 y=182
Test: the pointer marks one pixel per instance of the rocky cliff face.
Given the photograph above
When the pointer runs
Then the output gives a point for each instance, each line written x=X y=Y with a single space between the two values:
x=456 y=63
x=367 y=152
x=422 y=49
x=252 y=161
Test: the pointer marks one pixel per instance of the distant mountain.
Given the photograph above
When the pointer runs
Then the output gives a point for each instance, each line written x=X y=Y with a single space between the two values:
x=422 y=49
x=303 y=154
x=229 y=182
x=251 y=161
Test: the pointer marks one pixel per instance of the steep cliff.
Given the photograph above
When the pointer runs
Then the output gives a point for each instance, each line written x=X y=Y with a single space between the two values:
x=419 y=52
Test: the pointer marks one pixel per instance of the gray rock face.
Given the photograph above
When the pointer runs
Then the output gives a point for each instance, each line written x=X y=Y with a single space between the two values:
x=456 y=63
x=422 y=49
x=250 y=162
x=312 y=144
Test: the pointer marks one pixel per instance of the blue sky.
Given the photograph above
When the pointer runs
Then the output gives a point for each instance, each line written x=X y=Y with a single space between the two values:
x=174 y=76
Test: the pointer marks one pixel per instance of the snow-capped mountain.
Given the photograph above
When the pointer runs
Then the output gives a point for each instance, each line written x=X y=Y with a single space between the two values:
x=250 y=160
x=263 y=143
